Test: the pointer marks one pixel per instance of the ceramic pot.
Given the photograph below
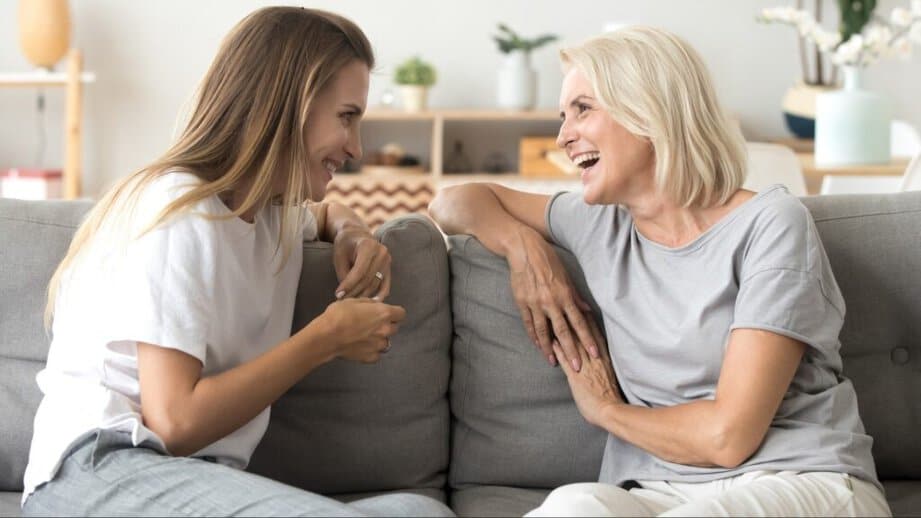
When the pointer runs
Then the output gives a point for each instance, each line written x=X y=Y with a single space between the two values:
x=517 y=86
x=852 y=124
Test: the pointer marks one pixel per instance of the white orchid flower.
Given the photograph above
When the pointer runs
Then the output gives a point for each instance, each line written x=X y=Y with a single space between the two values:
x=900 y=17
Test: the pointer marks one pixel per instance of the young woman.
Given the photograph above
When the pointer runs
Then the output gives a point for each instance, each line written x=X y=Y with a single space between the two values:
x=721 y=311
x=172 y=308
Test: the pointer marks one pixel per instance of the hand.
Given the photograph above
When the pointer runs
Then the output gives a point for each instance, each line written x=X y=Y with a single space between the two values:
x=360 y=329
x=594 y=388
x=362 y=264
x=544 y=293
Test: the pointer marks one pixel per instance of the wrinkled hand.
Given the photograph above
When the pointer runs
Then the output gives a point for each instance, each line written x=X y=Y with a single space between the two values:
x=360 y=328
x=362 y=264
x=594 y=387
x=549 y=304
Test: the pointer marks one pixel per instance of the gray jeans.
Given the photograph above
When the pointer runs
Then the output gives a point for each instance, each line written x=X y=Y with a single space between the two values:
x=106 y=476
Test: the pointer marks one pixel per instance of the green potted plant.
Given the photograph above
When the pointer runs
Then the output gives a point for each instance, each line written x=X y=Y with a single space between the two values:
x=517 y=79
x=415 y=76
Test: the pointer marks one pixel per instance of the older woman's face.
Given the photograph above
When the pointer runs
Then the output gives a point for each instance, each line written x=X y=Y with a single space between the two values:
x=614 y=162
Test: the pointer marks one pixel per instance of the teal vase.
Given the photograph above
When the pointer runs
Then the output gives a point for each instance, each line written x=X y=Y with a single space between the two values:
x=852 y=125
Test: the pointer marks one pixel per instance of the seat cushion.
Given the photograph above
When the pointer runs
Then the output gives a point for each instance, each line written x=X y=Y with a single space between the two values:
x=515 y=420
x=496 y=500
x=35 y=236
x=350 y=427
x=9 y=504
x=437 y=494
x=874 y=246
x=904 y=497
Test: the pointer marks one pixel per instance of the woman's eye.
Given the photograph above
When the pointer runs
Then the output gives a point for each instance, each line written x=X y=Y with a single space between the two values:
x=346 y=118
x=583 y=108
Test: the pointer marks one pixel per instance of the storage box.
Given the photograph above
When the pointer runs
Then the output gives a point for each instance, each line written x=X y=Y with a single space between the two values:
x=540 y=157
x=30 y=183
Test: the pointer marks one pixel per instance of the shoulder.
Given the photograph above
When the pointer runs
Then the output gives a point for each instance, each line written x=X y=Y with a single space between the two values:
x=781 y=232
x=571 y=206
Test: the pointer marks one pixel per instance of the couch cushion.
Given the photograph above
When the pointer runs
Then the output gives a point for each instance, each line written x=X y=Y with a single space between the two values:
x=496 y=500
x=515 y=421
x=904 y=497
x=35 y=236
x=437 y=494
x=350 y=427
x=9 y=504
x=874 y=245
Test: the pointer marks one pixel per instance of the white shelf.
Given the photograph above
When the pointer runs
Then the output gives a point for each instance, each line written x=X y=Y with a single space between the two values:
x=41 y=78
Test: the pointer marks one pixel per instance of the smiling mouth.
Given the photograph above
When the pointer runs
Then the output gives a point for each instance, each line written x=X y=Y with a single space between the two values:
x=331 y=166
x=587 y=160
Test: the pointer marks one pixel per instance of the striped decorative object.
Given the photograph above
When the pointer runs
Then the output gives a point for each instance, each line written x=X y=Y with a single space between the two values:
x=379 y=199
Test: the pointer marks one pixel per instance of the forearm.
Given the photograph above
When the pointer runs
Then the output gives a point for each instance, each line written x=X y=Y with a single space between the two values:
x=692 y=433
x=340 y=218
x=475 y=209
x=220 y=404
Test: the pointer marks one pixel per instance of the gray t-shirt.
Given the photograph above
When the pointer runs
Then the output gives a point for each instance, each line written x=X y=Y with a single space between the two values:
x=668 y=313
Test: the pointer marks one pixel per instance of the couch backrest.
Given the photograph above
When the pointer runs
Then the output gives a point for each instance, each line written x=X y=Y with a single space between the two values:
x=346 y=427
x=33 y=239
x=514 y=420
x=515 y=423
x=350 y=427
x=874 y=245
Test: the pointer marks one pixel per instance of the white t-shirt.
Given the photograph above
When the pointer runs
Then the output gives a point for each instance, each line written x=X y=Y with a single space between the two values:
x=210 y=288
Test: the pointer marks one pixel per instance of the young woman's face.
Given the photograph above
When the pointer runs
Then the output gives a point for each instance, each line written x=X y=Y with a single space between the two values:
x=333 y=125
x=613 y=160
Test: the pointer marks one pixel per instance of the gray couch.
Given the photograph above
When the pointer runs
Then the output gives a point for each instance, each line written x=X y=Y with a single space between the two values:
x=463 y=408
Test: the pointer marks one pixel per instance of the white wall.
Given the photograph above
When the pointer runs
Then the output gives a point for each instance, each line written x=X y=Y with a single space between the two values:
x=148 y=57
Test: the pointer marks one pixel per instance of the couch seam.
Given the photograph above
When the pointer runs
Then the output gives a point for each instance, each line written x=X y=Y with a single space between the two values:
x=462 y=432
x=37 y=222
x=868 y=214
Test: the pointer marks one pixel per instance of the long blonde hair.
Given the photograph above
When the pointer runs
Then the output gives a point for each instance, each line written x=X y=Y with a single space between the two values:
x=656 y=86
x=247 y=125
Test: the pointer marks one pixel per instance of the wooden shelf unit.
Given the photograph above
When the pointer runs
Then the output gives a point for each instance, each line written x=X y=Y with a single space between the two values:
x=72 y=81
x=438 y=118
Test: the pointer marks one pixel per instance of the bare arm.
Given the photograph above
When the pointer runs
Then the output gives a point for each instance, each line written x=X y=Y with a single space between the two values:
x=357 y=256
x=511 y=223
x=494 y=214
x=756 y=373
x=188 y=411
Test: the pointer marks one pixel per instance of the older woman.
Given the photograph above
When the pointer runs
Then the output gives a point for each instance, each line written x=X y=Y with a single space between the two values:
x=720 y=308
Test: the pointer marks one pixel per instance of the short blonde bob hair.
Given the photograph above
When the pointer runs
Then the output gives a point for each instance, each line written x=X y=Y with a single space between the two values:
x=657 y=87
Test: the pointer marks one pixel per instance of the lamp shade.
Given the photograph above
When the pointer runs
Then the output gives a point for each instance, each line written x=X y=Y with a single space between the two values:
x=44 y=30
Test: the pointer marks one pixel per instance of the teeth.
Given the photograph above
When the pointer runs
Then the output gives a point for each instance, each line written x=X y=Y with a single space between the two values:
x=585 y=157
x=330 y=166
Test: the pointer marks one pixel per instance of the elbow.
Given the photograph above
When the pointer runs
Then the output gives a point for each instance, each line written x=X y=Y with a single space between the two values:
x=173 y=431
x=732 y=445
x=443 y=199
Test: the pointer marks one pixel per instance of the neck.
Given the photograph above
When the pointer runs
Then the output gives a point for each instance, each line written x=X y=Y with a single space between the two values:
x=662 y=221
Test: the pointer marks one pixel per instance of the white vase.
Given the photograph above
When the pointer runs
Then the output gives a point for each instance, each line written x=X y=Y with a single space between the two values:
x=852 y=125
x=415 y=98
x=517 y=86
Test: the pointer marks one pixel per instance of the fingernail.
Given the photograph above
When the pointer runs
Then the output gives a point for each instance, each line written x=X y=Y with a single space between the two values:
x=575 y=365
x=340 y=294
x=376 y=298
x=595 y=352
x=552 y=360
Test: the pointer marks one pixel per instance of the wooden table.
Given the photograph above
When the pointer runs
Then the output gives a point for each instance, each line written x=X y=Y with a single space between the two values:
x=814 y=174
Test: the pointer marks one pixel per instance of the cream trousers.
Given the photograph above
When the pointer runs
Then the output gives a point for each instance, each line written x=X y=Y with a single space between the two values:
x=758 y=493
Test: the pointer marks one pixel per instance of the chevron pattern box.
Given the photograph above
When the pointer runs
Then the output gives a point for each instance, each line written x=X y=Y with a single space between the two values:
x=379 y=199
